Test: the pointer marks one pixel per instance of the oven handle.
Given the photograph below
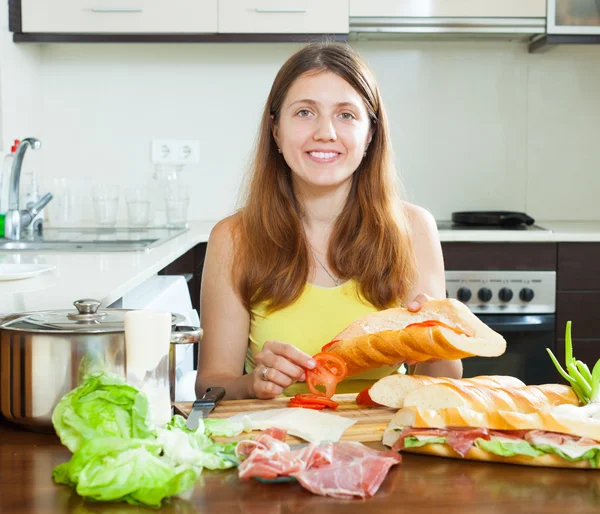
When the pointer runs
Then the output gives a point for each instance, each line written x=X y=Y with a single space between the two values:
x=519 y=322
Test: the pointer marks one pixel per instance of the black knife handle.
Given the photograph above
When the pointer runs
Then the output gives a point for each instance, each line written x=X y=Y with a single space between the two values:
x=213 y=395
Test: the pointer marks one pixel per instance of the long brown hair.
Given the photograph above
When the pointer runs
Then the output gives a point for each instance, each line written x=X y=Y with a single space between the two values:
x=370 y=240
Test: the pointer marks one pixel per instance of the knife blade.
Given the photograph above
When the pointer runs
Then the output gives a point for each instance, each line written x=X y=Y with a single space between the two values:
x=203 y=406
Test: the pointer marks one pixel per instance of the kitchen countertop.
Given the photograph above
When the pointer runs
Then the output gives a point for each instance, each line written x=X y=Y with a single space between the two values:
x=104 y=276
x=419 y=485
x=107 y=276
x=557 y=231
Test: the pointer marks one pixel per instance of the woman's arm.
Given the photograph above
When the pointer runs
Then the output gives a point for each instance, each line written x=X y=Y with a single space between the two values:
x=224 y=320
x=226 y=325
x=430 y=281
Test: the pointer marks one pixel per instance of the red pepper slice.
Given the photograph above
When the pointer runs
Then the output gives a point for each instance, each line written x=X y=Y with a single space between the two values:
x=314 y=399
x=329 y=345
x=435 y=323
x=329 y=372
x=312 y=406
x=363 y=398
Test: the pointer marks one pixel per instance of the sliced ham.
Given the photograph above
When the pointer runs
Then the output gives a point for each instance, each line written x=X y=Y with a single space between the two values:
x=556 y=439
x=341 y=469
x=355 y=471
x=461 y=441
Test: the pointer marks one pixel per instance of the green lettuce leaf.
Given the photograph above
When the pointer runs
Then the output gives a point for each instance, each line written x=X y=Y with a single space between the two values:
x=222 y=427
x=413 y=442
x=593 y=455
x=507 y=449
x=130 y=470
x=104 y=405
x=194 y=447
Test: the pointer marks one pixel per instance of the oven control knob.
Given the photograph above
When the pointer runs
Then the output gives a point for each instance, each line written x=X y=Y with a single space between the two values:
x=526 y=294
x=463 y=294
x=505 y=294
x=485 y=294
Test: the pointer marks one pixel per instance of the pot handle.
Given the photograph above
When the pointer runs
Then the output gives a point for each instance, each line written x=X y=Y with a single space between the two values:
x=186 y=335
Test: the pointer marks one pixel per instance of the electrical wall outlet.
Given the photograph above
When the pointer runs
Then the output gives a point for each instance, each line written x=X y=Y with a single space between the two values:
x=171 y=151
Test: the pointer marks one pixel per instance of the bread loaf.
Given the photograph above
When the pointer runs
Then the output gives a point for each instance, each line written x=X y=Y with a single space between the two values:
x=442 y=329
x=547 y=460
x=551 y=421
x=391 y=390
x=527 y=399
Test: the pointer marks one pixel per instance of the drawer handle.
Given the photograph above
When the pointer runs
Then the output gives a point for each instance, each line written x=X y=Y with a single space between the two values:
x=280 y=10
x=117 y=9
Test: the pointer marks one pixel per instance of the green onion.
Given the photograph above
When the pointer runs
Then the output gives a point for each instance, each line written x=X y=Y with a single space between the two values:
x=586 y=384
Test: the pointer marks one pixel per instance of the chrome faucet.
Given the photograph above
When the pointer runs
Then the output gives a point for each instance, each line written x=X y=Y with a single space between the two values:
x=16 y=220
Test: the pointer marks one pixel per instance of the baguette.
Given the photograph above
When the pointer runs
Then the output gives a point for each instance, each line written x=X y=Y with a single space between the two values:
x=559 y=422
x=526 y=400
x=548 y=460
x=391 y=390
x=441 y=329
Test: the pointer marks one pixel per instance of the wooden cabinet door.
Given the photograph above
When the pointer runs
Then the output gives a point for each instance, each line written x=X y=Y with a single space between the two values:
x=119 y=16
x=449 y=8
x=283 y=16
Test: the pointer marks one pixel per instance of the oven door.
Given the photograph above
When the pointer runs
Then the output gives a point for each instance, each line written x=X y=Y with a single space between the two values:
x=527 y=337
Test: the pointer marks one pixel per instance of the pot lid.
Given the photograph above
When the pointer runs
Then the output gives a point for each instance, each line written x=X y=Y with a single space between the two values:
x=86 y=319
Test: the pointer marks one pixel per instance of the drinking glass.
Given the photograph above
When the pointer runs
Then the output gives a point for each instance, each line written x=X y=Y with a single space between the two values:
x=106 y=204
x=177 y=201
x=138 y=206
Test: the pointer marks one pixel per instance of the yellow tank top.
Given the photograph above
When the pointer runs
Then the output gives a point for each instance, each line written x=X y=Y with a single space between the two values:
x=314 y=319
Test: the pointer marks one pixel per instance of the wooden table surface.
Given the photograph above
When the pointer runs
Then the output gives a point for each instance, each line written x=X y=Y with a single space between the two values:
x=419 y=485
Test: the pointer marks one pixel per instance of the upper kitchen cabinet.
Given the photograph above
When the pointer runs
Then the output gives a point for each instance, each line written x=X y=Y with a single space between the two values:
x=450 y=8
x=447 y=19
x=570 y=22
x=283 y=16
x=118 y=16
x=150 y=21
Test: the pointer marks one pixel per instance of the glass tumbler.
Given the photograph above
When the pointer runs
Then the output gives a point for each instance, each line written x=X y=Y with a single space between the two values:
x=106 y=204
x=177 y=201
x=138 y=206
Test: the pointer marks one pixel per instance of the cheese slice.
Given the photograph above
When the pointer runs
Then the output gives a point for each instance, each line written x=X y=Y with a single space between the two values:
x=311 y=425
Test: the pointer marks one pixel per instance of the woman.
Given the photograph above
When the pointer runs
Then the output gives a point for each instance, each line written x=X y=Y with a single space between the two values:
x=321 y=240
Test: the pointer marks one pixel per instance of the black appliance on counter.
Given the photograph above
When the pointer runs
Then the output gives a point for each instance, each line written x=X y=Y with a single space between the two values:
x=489 y=220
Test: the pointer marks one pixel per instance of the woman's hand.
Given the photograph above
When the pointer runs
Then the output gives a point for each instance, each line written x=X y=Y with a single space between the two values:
x=414 y=306
x=278 y=366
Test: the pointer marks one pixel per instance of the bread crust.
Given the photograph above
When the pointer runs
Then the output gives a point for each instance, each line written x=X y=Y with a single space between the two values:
x=393 y=389
x=546 y=460
x=526 y=400
x=395 y=335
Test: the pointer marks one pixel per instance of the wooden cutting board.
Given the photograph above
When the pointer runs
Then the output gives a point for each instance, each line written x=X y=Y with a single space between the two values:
x=369 y=427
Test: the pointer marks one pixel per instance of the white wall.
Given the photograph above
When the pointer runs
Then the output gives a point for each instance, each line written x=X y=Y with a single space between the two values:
x=20 y=91
x=475 y=125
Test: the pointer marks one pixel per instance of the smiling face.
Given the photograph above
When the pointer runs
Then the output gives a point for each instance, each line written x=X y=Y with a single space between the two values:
x=323 y=130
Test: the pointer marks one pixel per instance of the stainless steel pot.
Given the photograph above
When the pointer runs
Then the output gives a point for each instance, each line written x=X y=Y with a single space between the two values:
x=44 y=355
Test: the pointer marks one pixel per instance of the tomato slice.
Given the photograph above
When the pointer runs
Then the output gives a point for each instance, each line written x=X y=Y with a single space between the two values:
x=329 y=345
x=435 y=323
x=312 y=406
x=363 y=398
x=329 y=372
x=314 y=399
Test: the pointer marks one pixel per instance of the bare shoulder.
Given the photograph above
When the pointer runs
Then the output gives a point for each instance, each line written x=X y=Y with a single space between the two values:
x=420 y=219
x=222 y=234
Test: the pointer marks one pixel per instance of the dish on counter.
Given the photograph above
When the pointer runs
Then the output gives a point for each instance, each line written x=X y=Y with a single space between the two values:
x=9 y=271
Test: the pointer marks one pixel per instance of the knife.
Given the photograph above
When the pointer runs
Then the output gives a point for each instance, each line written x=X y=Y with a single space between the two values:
x=203 y=406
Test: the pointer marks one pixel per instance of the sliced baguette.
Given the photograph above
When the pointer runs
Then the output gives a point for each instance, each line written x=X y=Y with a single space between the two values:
x=395 y=335
x=391 y=390
x=496 y=420
x=548 y=460
x=487 y=399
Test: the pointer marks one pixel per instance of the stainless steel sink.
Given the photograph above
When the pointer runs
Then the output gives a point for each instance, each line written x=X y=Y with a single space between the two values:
x=93 y=240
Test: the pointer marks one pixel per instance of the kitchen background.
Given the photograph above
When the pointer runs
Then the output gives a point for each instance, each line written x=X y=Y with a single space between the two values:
x=475 y=125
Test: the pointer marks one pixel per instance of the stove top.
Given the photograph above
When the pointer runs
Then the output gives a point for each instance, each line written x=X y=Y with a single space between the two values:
x=450 y=225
